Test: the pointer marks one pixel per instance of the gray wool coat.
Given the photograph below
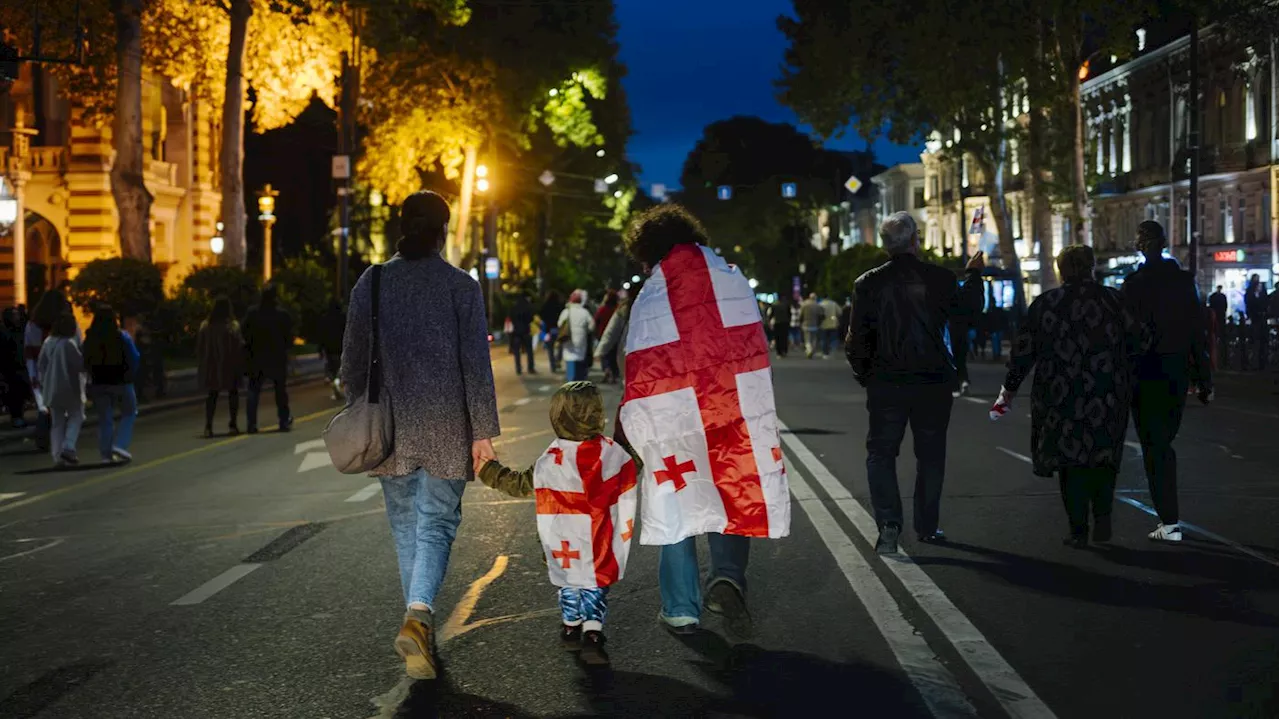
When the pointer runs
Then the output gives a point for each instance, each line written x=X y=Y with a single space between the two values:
x=435 y=364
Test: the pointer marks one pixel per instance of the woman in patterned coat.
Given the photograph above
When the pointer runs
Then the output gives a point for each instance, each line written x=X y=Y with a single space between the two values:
x=1081 y=341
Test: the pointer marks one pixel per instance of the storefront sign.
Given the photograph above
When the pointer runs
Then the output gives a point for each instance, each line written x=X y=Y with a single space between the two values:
x=1228 y=256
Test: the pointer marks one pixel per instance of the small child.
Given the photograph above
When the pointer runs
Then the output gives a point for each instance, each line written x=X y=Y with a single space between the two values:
x=585 y=486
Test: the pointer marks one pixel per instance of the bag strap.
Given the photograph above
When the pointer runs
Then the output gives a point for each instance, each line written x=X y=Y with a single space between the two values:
x=375 y=354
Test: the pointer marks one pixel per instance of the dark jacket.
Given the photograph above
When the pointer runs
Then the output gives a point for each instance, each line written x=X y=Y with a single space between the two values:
x=220 y=352
x=111 y=361
x=900 y=314
x=1163 y=296
x=1081 y=341
x=521 y=318
x=1218 y=303
x=268 y=333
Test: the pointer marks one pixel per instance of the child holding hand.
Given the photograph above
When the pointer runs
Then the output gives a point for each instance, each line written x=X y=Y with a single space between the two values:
x=585 y=489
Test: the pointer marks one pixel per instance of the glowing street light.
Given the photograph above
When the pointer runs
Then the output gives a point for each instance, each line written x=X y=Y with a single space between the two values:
x=553 y=92
x=626 y=285
x=617 y=193
x=482 y=185
x=266 y=213
x=482 y=170
x=482 y=181
x=611 y=179
x=752 y=283
x=600 y=152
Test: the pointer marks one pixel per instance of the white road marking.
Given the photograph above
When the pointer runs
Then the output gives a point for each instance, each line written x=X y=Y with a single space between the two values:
x=522 y=401
x=315 y=460
x=1133 y=445
x=547 y=388
x=519 y=437
x=308 y=446
x=1004 y=683
x=1202 y=532
x=41 y=548
x=365 y=493
x=4 y=496
x=975 y=400
x=937 y=686
x=1015 y=455
x=215 y=585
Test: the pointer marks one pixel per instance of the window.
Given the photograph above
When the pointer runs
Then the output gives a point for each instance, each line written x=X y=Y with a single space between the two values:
x=1244 y=223
x=917 y=198
x=1014 y=166
x=1225 y=217
x=1250 y=119
x=964 y=173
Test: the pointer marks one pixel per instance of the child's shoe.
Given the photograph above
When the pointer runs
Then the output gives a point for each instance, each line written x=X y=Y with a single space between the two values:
x=593 y=652
x=571 y=637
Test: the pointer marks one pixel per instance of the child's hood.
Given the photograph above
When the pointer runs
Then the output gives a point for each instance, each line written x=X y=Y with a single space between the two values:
x=577 y=412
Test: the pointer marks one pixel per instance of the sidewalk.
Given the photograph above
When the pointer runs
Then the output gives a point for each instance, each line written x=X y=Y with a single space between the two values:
x=182 y=392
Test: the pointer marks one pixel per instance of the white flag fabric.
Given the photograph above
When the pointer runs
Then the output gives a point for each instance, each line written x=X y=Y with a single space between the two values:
x=698 y=407
x=586 y=499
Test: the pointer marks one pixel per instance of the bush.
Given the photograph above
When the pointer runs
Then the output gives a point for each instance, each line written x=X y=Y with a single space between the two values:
x=175 y=321
x=841 y=271
x=132 y=287
x=306 y=292
x=240 y=286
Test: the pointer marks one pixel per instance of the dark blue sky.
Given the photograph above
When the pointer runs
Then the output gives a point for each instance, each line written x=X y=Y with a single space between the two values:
x=692 y=62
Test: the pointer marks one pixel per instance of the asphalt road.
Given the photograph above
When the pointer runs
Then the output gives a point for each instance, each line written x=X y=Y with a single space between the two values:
x=244 y=577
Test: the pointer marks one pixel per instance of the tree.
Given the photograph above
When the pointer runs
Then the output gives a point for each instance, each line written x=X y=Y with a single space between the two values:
x=131 y=286
x=128 y=186
x=759 y=229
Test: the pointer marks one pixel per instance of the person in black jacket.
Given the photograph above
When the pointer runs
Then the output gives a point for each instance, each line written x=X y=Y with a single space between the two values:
x=1163 y=296
x=521 y=332
x=898 y=350
x=268 y=332
x=552 y=306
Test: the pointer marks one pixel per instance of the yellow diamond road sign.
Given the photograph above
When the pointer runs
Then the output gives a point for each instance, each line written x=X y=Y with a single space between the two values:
x=853 y=184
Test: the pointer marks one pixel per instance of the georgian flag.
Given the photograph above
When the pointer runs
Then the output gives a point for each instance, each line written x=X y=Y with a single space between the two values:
x=586 y=498
x=698 y=407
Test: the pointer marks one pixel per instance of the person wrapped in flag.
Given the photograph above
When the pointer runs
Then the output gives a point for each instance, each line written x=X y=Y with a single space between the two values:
x=585 y=487
x=698 y=409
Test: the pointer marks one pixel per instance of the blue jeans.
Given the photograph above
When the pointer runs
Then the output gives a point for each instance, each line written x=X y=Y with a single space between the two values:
x=575 y=370
x=106 y=398
x=424 y=513
x=829 y=340
x=678 y=580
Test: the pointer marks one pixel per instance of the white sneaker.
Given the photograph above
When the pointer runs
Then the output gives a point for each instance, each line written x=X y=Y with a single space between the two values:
x=1166 y=533
x=122 y=454
x=955 y=394
x=964 y=388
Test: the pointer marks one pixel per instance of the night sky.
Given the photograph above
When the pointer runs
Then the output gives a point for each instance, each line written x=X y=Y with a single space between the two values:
x=692 y=62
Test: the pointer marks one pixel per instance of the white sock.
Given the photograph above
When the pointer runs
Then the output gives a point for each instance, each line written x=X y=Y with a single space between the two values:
x=592 y=625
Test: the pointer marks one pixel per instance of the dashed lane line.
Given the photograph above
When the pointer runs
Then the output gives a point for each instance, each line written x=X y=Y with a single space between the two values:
x=996 y=674
x=215 y=585
x=366 y=493
x=1194 y=529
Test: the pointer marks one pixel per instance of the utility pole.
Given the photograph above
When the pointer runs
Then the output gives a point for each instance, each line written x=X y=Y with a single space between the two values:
x=1193 y=146
x=351 y=67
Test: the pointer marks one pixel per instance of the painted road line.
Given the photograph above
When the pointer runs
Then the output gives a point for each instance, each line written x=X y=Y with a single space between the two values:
x=215 y=585
x=135 y=468
x=365 y=493
x=41 y=548
x=975 y=400
x=6 y=496
x=937 y=686
x=520 y=437
x=1133 y=445
x=522 y=401
x=1203 y=532
x=457 y=622
x=1000 y=678
x=308 y=446
x=315 y=460
x=1015 y=455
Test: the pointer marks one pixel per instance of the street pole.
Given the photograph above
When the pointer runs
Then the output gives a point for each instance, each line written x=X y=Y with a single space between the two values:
x=18 y=176
x=1193 y=146
x=344 y=207
x=464 y=205
x=266 y=249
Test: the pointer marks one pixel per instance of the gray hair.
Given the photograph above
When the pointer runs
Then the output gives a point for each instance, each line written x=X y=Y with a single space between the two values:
x=898 y=233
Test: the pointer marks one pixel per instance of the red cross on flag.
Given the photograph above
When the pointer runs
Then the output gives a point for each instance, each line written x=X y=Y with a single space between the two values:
x=586 y=497
x=699 y=404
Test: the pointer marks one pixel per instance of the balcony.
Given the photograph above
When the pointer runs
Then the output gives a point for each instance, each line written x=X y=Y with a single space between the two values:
x=40 y=159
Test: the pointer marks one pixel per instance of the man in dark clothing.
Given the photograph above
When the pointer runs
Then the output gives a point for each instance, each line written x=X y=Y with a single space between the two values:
x=521 y=332
x=898 y=351
x=1218 y=306
x=333 y=325
x=1163 y=296
x=151 y=373
x=552 y=306
x=268 y=333
x=1255 y=307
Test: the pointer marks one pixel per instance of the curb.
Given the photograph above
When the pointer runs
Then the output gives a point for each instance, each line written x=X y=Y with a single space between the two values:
x=19 y=436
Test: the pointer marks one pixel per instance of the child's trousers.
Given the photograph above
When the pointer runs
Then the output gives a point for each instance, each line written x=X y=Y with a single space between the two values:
x=587 y=607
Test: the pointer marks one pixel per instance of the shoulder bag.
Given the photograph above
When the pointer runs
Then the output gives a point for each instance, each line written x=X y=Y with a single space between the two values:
x=362 y=436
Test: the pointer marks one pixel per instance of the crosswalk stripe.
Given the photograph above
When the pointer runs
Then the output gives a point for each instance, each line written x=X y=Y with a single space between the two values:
x=365 y=493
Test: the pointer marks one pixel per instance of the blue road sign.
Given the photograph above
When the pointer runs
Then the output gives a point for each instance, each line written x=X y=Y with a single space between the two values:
x=491 y=268
x=724 y=192
x=788 y=190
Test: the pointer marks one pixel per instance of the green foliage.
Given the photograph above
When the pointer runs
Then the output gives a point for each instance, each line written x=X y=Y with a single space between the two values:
x=132 y=287
x=840 y=272
x=305 y=289
x=238 y=285
x=176 y=320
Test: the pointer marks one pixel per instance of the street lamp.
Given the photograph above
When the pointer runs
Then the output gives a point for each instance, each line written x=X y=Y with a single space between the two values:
x=600 y=152
x=611 y=179
x=482 y=178
x=216 y=242
x=267 y=213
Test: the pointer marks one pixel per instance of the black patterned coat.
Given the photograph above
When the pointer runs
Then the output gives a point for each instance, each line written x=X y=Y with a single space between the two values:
x=1081 y=341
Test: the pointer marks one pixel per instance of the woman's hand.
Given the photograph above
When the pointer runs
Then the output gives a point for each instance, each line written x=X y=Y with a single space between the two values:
x=1002 y=404
x=482 y=452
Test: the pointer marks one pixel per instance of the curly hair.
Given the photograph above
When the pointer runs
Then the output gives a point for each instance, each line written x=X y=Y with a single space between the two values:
x=1075 y=263
x=654 y=232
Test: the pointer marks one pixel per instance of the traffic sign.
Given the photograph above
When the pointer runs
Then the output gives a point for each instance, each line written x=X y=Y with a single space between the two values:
x=491 y=268
x=547 y=178
x=789 y=190
x=724 y=192
x=341 y=167
x=853 y=184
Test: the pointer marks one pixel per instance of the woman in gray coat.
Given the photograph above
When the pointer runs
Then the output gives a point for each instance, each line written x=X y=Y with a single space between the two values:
x=434 y=354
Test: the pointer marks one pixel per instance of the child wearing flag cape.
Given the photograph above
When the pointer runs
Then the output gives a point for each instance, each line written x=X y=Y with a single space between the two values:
x=585 y=485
